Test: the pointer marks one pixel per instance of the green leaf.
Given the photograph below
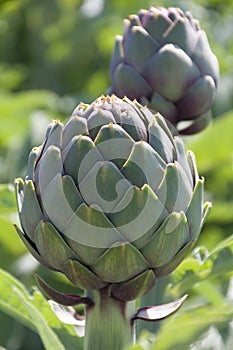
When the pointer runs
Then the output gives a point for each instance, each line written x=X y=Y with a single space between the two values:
x=81 y=276
x=188 y=326
x=138 y=215
x=66 y=333
x=220 y=261
x=86 y=253
x=75 y=126
x=121 y=257
x=48 y=167
x=32 y=158
x=59 y=297
x=195 y=211
x=144 y=166
x=97 y=119
x=51 y=246
x=48 y=337
x=210 y=291
x=193 y=271
x=134 y=288
x=30 y=213
x=63 y=192
x=160 y=140
x=114 y=144
x=34 y=312
x=104 y=186
x=31 y=247
x=175 y=190
x=172 y=265
x=167 y=241
x=82 y=152
x=53 y=135
x=90 y=227
x=10 y=303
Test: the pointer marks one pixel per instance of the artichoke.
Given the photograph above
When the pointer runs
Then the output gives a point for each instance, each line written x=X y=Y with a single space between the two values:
x=164 y=61
x=111 y=199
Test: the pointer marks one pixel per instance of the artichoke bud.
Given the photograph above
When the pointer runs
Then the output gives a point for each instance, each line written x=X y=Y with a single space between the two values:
x=164 y=60
x=111 y=198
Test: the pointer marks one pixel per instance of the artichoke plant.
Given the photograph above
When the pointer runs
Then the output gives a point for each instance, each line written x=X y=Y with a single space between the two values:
x=164 y=61
x=112 y=200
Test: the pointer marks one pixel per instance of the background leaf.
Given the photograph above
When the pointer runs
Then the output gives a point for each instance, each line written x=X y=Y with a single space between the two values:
x=34 y=312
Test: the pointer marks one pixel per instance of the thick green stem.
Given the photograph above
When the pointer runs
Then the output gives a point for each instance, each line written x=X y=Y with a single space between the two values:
x=108 y=324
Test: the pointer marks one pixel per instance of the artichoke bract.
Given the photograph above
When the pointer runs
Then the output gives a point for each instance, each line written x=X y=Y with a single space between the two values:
x=164 y=61
x=111 y=198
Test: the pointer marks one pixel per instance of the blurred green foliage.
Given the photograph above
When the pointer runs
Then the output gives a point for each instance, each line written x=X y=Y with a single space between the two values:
x=54 y=54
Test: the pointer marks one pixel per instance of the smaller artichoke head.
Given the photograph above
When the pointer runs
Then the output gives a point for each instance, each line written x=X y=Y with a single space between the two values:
x=164 y=61
x=111 y=198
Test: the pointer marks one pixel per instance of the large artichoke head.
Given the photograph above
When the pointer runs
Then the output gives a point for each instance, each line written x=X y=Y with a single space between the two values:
x=164 y=61
x=111 y=198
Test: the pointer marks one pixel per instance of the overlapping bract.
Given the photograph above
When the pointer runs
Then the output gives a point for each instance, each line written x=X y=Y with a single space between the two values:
x=111 y=198
x=164 y=61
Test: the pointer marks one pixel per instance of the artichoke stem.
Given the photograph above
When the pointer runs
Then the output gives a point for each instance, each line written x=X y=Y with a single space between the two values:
x=108 y=322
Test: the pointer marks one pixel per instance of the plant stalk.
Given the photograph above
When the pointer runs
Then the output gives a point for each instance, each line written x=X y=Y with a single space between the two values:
x=108 y=322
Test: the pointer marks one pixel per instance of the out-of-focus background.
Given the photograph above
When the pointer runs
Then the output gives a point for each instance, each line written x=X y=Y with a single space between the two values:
x=56 y=53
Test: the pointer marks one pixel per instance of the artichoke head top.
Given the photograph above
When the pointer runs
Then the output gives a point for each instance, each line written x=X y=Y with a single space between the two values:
x=111 y=198
x=164 y=61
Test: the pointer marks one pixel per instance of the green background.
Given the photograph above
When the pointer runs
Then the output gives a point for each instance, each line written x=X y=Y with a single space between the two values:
x=55 y=54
